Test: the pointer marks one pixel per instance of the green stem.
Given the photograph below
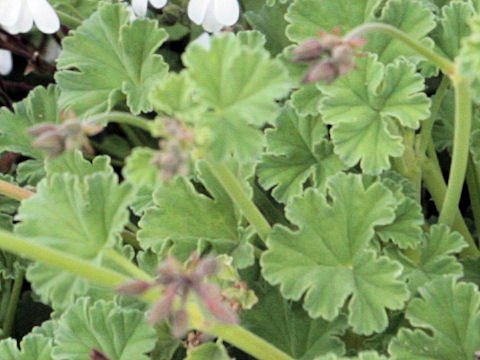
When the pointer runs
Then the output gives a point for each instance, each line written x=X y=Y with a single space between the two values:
x=14 y=192
x=60 y=260
x=427 y=125
x=131 y=135
x=127 y=265
x=12 y=304
x=240 y=198
x=473 y=192
x=246 y=341
x=461 y=143
x=122 y=118
x=443 y=63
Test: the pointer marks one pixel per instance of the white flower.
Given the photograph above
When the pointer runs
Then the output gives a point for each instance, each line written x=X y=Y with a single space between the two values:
x=6 y=62
x=203 y=40
x=214 y=14
x=18 y=16
x=140 y=6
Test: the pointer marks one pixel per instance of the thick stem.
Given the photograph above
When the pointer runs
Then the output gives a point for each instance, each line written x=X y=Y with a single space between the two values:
x=14 y=192
x=12 y=303
x=127 y=265
x=246 y=341
x=461 y=143
x=237 y=194
x=443 y=63
x=122 y=118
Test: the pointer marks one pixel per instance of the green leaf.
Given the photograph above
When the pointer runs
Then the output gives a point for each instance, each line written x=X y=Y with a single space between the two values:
x=367 y=109
x=187 y=218
x=120 y=334
x=452 y=28
x=208 y=351
x=30 y=172
x=80 y=216
x=239 y=81
x=306 y=100
x=329 y=259
x=436 y=257
x=39 y=107
x=73 y=162
x=288 y=327
x=32 y=347
x=449 y=311
x=409 y=16
x=307 y=17
x=77 y=9
x=367 y=355
x=297 y=151
x=108 y=59
x=406 y=230
x=468 y=61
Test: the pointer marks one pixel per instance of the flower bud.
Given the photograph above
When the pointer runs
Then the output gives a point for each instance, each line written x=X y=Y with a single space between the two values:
x=97 y=355
x=325 y=71
x=134 y=287
x=309 y=50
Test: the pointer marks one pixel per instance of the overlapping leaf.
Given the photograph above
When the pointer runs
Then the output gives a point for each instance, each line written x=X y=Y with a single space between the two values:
x=32 y=347
x=118 y=333
x=297 y=150
x=40 y=106
x=450 y=312
x=287 y=326
x=469 y=62
x=108 y=59
x=239 y=81
x=329 y=258
x=78 y=215
x=436 y=257
x=208 y=351
x=368 y=107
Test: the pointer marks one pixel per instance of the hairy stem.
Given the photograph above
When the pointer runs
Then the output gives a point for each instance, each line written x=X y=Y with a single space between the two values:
x=12 y=303
x=458 y=168
x=241 y=199
x=122 y=118
x=127 y=265
x=443 y=63
x=14 y=191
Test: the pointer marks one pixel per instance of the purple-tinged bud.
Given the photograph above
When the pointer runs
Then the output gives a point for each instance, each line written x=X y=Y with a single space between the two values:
x=51 y=142
x=42 y=128
x=162 y=309
x=309 y=50
x=212 y=299
x=180 y=322
x=134 y=287
x=325 y=71
x=343 y=56
x=97 y=355
x=206 y=267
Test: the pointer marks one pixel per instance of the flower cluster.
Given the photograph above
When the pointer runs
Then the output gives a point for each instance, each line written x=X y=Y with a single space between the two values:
x=332 y=56
x=178 y=282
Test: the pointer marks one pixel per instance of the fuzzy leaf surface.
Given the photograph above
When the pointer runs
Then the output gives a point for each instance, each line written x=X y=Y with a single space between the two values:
x=208 y=351
x=329 y=258
x=450 y=312
x=32 y=347
x=121 y=334
x=108 y=59
x=368 y=106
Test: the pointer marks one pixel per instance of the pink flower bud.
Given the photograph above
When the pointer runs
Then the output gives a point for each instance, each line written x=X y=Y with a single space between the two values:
x=309 y=50
x=134 y=287
x=325 y=71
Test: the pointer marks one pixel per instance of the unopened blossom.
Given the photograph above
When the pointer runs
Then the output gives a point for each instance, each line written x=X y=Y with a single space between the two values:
x=97 y=355
x=140 y=6
x=213 y=15
x=18 y=16
x=6 y=62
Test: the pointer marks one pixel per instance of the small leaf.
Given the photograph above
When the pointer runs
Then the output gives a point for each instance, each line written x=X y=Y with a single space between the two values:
x=329 y=259
x=108 y=59
x=368 y=107
x=32 y=347
x=208 y=351
x=120 y=334
x=450 y=312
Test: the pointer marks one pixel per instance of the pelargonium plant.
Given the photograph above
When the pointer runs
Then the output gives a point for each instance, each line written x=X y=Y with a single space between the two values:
x=239 y=179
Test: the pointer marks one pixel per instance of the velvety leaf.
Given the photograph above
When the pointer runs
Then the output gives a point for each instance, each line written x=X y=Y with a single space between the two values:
x=297 y=150
x=469 y=62
x=287 y=326
x=208 y=351
x=449 y=311
x=80 y=216
x=369 y=106
x=436 y=257
x=118 y=333
x=40 y=106
x=329 y=259
x=409 y=16
x=73 y=162
x=30 y=172
x=32 y=347
x=306 y=100
x=108 y=59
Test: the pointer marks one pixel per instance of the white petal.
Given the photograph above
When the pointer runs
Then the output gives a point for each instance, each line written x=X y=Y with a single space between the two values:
x=24 y=22
x=6 y=62
x=157 y=4
x=210 y=23
x=132 y=15
x=203 y=40
x=140 y=7
x=52 y=51
x=197 y=10
x=226 y=12
x=44 y=15
x=10 y=11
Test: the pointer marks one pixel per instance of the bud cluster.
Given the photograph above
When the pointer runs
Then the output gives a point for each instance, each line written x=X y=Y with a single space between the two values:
x=55 y=139
x=177 y=282
x=332 y=56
